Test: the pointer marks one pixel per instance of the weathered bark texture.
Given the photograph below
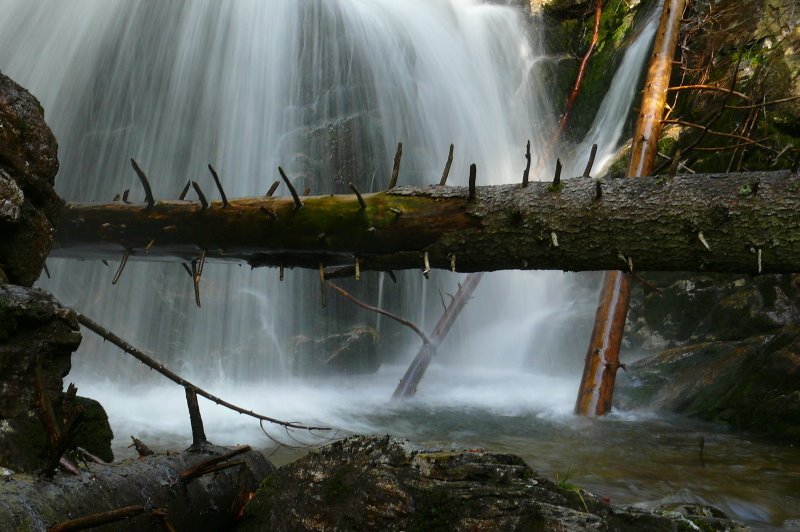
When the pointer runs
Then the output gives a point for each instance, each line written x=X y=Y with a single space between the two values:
x=410 y=381
x=205 y=503
x=602 y=357
x=649 y=223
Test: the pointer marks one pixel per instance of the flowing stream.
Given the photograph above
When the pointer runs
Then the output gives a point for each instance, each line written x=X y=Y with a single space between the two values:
x=327 y=89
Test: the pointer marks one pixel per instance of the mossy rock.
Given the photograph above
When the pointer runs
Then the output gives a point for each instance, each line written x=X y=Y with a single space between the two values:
x=707 y=307
x=382 y=483
x=751 y=384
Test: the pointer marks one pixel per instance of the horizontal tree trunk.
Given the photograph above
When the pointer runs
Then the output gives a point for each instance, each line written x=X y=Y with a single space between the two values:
x=724 y=223
x=109 y=491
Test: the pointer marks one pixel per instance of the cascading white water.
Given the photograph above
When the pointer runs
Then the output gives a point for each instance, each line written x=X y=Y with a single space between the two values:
x=325 y=89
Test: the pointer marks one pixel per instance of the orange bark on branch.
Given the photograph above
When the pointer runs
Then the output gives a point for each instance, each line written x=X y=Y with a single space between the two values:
x=602 y=357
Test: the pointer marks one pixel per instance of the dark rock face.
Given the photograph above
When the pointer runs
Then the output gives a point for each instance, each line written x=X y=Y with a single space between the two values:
x=382 y=483
x=709 y=307
x=751 y=384
x=29 y=206
x=36 y=330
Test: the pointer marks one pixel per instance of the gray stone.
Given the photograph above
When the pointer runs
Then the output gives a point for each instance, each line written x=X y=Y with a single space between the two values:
x=11 y=199
x=383 y=483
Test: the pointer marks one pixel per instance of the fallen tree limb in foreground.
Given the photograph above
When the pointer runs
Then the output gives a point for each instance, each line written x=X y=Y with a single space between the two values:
x=746 y=223
x=134 y=490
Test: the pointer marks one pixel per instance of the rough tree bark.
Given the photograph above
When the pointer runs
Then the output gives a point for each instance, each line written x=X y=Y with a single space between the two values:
x=602 y=357
x=209 y=502
x=724 y=223
x=416 y=370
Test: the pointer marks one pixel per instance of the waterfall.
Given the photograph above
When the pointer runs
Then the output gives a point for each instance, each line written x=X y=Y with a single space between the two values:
x=326 y=89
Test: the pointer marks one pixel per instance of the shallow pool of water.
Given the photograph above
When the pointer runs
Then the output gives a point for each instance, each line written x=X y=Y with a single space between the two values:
x=631 y=457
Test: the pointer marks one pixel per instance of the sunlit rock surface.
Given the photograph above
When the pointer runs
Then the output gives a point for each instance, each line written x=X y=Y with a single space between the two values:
x=383 y=483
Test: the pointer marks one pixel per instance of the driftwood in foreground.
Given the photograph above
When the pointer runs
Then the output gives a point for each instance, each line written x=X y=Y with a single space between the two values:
x=746 y=223
x=139 y=494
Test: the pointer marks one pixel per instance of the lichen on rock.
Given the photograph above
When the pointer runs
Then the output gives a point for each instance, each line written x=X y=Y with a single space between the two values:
x=384 y=483
x=36 y=331
x=29 y=205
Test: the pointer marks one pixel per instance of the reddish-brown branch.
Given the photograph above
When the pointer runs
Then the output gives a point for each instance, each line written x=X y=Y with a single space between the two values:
x=576 y=87
x=712 y=88
x=98 y=519
x=602 y=357
x=719 y=133
x=211 y=465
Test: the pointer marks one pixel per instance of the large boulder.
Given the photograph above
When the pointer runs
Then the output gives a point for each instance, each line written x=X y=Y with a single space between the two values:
x=36 y=331
x=692 y=308
x=751 y=384
x=29 y=206
x=382 y=483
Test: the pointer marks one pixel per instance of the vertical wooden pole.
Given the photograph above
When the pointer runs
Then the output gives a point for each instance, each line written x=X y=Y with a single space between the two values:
x=198 y=432
x=602 y=358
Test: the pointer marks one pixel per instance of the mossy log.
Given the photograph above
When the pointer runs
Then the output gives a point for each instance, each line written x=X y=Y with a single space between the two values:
x=152 y=484
x=744 y=223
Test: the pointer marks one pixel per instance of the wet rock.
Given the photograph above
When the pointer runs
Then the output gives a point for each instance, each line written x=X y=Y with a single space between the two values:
x=28 y=149
x=11 y=198
x=709 y=307
x=751 y=384
x=353 y=352
x=382 y=483
x=35 y=330
x=29 y=206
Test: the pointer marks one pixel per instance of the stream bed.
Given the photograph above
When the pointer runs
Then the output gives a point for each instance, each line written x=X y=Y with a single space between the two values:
x=635 y=458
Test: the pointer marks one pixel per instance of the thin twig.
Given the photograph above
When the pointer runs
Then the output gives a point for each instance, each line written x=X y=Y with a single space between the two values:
x=388 y=314
x=121 y=266
x=764 y=104
x=473 y=176
x=709 y=88
x=592 y=154
x=396 y=166
x=527 y=172
x=273 y=188
x=159 y=367
x=718 y=133
x=148 y=192
x=447 y=166
x=203 y=200
x=203 y=467
x=185 y=190
x=360 y=198
x=219 y=186
x=297 y=203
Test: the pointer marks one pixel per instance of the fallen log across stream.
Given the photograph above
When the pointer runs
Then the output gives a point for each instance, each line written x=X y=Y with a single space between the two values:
x=745 y=223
